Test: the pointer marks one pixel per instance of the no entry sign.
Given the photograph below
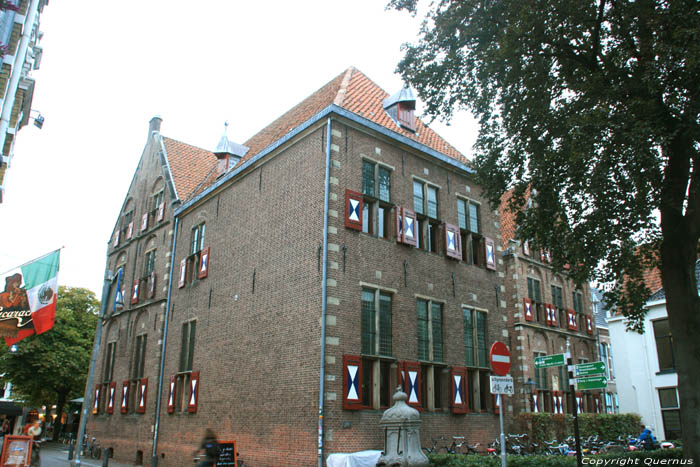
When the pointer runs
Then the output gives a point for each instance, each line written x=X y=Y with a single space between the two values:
x=500 y=358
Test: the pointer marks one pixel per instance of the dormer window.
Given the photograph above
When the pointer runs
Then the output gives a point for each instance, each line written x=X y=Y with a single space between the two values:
x=228 y=153
x=401 y=108
x=406 y=115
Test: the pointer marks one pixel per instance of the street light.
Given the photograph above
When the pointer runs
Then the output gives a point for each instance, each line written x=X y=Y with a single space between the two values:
x=529 y=390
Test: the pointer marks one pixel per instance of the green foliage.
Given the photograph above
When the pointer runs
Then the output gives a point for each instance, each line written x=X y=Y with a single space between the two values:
x=636 y=458
x=545 y=426
x=52 y=367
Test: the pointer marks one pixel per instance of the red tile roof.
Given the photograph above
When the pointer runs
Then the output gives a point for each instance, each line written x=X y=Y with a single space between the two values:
x=351 y=90
x=189 y=165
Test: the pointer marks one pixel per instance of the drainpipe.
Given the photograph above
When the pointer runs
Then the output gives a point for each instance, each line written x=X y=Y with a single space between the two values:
x=106 y=287
x=324 y=294
x=159 y=399
x=17 y=66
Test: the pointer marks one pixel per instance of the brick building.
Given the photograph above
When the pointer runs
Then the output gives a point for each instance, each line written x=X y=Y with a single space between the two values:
x=346 y=232
x=546 y=309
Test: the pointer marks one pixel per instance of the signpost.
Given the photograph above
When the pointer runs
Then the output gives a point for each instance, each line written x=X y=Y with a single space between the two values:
x=547 y=361
x=589 y=369
x=591 y=382
x=500 y=364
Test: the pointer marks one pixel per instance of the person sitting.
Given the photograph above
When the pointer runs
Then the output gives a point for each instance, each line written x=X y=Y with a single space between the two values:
x=647 y=439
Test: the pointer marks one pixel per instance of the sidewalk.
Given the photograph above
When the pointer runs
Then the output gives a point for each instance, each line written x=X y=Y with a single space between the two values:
x=56 y=455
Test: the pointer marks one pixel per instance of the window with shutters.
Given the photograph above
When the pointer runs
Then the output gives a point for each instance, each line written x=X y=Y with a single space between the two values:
x=534 y=293
x=120 y=286
x=476 y=358
x=376 y=192
x=137 y=367
x=542 y=389
x=434 y=374
x=184 y=376
x=193 y=263
x=107 y=375
x=376 y=323
x=157 y=206
x=425 y=203
x=470 y=232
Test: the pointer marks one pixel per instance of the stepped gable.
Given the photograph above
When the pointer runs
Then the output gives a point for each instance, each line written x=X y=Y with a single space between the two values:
x=189 y=166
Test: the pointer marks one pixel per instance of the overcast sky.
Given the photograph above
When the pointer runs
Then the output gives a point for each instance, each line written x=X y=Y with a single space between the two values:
x=109 y=67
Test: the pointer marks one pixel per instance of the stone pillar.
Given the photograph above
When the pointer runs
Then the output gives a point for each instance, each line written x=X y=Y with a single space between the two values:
x=401 y=425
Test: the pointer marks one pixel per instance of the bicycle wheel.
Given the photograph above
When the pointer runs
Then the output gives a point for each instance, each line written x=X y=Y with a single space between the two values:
x=96 y=452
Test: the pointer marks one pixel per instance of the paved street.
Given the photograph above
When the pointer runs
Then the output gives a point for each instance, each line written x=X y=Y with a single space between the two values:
x=56 y=455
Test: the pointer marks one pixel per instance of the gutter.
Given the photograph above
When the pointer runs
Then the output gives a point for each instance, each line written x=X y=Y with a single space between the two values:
x=324 y=295
x=326 y=113
x=156 y=424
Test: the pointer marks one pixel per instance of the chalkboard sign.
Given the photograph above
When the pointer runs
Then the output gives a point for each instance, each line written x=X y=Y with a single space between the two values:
x=16 y=451
x=227 y=453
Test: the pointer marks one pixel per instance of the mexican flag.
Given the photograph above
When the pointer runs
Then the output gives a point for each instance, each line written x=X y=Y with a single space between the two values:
x=28 y=300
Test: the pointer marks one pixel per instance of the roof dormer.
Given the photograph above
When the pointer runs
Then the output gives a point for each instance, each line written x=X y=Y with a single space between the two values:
x=401 y=108
x=228 y=153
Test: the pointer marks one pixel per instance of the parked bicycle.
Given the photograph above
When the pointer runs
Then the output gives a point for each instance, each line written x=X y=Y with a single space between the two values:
x=435 y=449
x=92 y=449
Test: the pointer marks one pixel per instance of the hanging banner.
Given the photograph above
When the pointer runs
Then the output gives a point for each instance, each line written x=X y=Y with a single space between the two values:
x=28 y=300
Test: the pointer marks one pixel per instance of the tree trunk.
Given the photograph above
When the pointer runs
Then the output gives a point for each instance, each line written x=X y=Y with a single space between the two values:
x=60 y=405
x=683 y=306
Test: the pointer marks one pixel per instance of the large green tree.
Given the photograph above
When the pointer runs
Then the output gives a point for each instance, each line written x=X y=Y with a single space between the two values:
x=51 y=368
x=592 y=108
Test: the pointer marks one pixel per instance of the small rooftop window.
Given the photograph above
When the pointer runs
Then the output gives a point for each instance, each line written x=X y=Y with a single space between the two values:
x=401 y=108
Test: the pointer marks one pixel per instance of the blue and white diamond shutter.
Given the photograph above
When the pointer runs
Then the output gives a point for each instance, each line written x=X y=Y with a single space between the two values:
x=571 y=320
x=528 y=309
x=589 y=325
x=141 y=394
x=125 y=396
x=410 y=224
x=490 y=253
x=172 y=392
x=458 y=378
x=453 y=243
x=352 y=377
x=110 y=397
x=193 y=392
x=96 y=400
x=412 y=383
x=558 y=402
x=353 y=210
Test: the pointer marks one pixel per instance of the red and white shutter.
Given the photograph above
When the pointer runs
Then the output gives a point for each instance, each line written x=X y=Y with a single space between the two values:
x=144 y=222
x=547 y=314
x=555 y=319
x=125 y=396
x=96 y=400
x=110 y=397
x=352 y=377
x=410 y=226
x=183 y=272
x=172 y=393
x=142 y=392
x=193 y=392
x=412 y=383
x=161 y=211
x=458 y=377
x=130 y=230
x=526 y=248
x=571 y=323
x=135 y=292
x=589 y=325
x=116 y=239
x=353 y=210
x=579 y=402
x=398 y=216
x=490 y=253
x=596 y=401
x=535 y=402
x=453 y=242
x=152 y=288
x=528 y=309
x=203 y=267
x=558 y=402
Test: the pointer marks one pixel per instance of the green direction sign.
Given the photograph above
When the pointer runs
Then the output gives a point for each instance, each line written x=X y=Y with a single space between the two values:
x=589 y=369
x=592 y=382
x=546 y=361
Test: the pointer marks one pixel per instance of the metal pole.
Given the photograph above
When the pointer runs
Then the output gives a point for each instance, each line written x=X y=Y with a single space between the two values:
x=574 y=405
x=106 y=286
x=503 y=438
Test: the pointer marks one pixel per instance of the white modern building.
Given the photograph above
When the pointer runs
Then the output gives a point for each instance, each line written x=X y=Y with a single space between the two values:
x=647 y=381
